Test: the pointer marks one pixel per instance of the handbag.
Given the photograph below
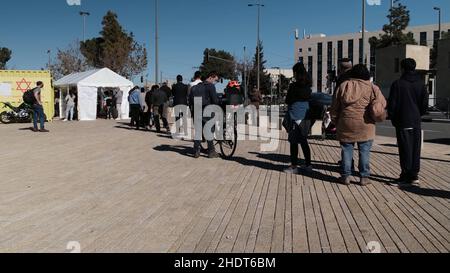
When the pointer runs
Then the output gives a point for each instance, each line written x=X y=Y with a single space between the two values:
x=377 y=110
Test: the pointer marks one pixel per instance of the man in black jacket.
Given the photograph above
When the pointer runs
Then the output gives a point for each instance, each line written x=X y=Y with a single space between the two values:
x=205 y=91
x=408 y=102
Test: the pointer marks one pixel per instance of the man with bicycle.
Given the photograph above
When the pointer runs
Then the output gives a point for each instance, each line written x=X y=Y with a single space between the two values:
x=207 y=94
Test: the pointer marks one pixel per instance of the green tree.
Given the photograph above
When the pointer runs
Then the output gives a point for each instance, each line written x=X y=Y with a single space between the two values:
x=394 y=31
x=5 y=56
x=219 y=61
x=264 y=77
x=115 y=49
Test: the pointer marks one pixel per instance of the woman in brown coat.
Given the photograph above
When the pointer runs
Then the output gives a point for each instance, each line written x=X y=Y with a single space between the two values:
x=350 y=113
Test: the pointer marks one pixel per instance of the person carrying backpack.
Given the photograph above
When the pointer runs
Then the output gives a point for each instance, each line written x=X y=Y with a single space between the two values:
x=33 y=97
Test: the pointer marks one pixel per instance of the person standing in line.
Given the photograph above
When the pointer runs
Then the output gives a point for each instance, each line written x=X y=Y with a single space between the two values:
x=297 y=99
x=407 y=103
x=70 y=106
x=134 y=100
x=205 y=91
x=350 y=112
x=180 y=96
x=195 y=81
x=118 y=95
x=159 y=99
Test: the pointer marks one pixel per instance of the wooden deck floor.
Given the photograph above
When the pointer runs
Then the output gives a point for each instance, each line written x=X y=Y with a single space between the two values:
x=117 y=190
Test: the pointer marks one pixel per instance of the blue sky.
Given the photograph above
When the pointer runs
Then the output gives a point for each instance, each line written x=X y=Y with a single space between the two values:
x=187 y=27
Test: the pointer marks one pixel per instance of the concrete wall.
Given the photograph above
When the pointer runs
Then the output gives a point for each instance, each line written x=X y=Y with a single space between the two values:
x=388 y=67
x=443 y=72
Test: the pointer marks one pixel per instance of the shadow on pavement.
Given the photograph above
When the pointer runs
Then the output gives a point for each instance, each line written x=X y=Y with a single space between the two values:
x=445 y=141
x=428 y=192
x=182 y=150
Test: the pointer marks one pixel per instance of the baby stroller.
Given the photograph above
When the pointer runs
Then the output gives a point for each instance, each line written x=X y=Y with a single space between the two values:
x=319 y=111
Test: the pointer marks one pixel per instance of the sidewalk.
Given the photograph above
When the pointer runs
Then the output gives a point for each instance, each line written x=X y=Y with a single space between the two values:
x=118 y=190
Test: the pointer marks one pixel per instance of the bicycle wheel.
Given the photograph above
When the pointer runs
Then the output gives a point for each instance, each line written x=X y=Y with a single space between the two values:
x=229 y=144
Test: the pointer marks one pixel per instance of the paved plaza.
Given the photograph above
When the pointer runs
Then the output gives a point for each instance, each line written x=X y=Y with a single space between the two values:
x=112 y=189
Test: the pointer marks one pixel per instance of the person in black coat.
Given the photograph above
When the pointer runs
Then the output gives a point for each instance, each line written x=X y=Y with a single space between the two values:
x=407 y=103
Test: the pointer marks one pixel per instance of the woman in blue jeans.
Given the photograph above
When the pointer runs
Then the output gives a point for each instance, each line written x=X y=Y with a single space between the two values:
x=298 y=97
x=350 y=113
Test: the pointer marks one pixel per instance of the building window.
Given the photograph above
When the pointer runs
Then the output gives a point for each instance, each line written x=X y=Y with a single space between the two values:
x=300 y=50
x=309 y=49
x=423 y=39
x=319 y=66
x=373 y=60
x=330 y=56
x=300 y=60
x=310 y=65
x=340 y=50
x=397 y=65
x=350 y=50
x=436 y=35
x=361 y=51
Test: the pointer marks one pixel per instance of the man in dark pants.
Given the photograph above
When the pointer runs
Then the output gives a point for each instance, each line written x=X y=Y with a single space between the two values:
x=408 y=102
x=38 y=109
x=135 y=106
x=159 y=98
x=180 y=97
x=205 y=91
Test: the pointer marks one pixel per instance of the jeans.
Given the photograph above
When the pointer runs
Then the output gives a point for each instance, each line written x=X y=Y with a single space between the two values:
x=197 y=143
x=364 y=158
x=135 y=110
x=38 y=113
x=69 y=112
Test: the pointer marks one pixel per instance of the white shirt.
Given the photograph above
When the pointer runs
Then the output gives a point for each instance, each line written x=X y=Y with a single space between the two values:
x=192 y=84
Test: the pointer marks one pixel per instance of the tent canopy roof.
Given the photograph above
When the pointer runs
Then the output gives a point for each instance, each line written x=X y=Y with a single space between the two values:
x=95 y=78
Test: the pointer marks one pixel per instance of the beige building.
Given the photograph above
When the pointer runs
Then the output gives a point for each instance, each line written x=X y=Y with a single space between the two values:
x=321 y=53
x=388 y=68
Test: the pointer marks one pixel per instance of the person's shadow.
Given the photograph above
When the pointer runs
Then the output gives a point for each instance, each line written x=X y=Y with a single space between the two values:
x=428 y=192
x=182 y=150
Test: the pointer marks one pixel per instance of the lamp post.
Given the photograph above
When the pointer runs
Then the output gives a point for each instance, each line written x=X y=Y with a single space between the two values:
x=156 y=44
x=49 y=58
x=244 y=81
x=363 y=30
x=439 y=19
x=84 y=14
x=258 y=49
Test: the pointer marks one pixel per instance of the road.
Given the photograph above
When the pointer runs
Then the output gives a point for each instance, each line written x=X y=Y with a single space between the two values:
x=434 y=132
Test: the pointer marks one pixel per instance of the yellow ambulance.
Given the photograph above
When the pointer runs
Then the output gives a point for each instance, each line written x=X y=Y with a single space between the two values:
x=13 y=83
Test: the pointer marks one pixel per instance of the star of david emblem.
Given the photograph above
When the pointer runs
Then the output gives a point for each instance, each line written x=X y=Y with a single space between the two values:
x=23 y=85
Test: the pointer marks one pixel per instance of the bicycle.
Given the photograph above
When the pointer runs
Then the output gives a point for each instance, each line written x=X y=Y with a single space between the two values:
x=228 y=144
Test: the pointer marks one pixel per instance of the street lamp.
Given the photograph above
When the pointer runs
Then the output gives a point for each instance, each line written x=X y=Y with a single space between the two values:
x=363 y=30
x=439 y=12
x=84 y=14
x=258 y=49
x=156 y=44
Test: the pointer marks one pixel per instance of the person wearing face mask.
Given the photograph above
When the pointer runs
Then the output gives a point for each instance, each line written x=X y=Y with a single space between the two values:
x=207 y=92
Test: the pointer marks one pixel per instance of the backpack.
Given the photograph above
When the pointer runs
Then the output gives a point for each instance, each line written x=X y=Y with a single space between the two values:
x=28 y=97
x=377 y=109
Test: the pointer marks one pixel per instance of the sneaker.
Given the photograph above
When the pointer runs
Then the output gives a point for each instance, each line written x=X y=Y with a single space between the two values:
x=65 y=120
x=405 y=184
x=34 y=130
x=291 y=170
x=197 y=154
x=44 y=131
x=307 y=169
x=345 y=180
x=365 y=181
x=213 y=155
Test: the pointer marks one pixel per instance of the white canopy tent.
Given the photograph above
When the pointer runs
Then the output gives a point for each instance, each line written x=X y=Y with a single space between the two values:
x=87 y=84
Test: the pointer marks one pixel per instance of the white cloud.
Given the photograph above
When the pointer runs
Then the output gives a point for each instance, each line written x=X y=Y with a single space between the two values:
x=74 y=2
x=374 y=2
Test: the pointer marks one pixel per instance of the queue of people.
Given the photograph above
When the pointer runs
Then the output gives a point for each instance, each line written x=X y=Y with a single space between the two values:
x=357 y=106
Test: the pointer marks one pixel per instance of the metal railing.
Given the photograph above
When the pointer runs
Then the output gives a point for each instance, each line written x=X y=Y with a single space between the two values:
x=441 y=105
